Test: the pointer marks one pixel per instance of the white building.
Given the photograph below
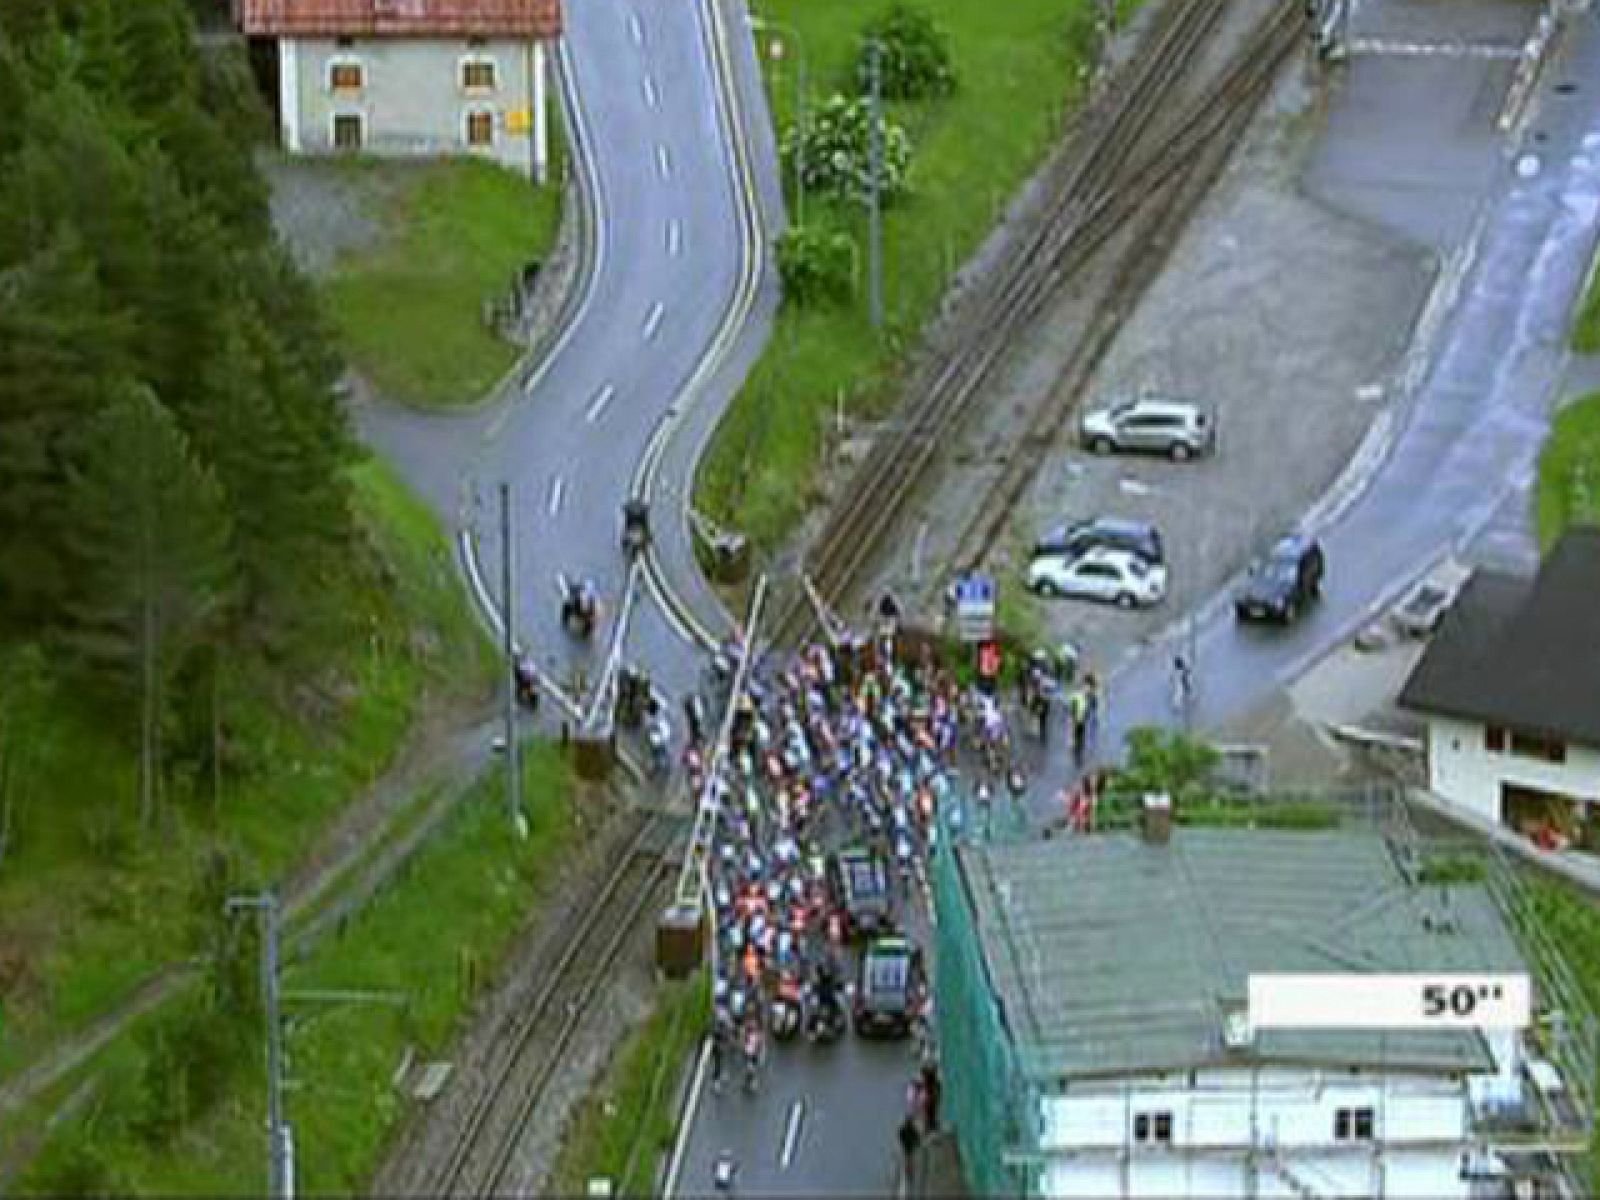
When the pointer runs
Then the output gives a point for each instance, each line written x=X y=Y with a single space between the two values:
x=1091 y=996
x=410 y=78
x=1510 y=688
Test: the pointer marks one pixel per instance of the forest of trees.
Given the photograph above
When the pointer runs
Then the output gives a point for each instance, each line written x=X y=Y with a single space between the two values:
x=173 y=491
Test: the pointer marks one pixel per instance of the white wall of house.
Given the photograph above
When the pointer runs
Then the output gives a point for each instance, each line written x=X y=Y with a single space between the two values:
x=1422 y=1127
x=413 y=101
x=1464 y=771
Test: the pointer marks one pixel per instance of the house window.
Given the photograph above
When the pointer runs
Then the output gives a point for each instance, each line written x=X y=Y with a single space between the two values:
x=1353 y=1125
x=347 y=131
x=1153 y=1127
x=1531 y=745
x=346 y=75
x=477 y=74
x=345 y=43
x=480 y=128
x=1494 y=739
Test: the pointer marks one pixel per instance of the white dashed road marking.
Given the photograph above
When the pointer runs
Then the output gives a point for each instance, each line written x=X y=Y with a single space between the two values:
x=674 y=237
x=791 y=1133
x=663 y=163
x=598 y=404
x=653 y=321
x=636 y=29
x=651 y=96
x=557 y=489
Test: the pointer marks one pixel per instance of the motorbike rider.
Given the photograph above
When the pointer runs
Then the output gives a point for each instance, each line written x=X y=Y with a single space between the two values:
x=580 y=605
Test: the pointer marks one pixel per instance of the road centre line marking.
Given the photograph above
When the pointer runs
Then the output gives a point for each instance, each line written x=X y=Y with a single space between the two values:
x=598 y=404
x=674 y=237
x=557 y=488
x=636 y=28
x=791 y=1134
x=663 y=163
x=651 y=96
x=653 y=321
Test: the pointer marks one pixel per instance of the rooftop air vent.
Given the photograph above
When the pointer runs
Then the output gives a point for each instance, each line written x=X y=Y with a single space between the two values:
x=1236 y=1031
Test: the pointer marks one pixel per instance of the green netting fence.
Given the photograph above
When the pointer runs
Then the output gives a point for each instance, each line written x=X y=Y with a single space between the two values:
x=985 y=1093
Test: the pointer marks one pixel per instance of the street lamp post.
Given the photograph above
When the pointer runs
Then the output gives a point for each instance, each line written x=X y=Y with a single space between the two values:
x=761 y=24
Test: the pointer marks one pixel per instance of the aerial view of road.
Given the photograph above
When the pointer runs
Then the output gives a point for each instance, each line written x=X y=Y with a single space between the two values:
x=978 y=430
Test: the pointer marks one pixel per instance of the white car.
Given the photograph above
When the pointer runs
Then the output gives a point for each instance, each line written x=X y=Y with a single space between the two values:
x=1114 y=576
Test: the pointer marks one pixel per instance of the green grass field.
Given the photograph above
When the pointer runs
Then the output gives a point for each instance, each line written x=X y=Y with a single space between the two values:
x=409 y=310
x=90 y=908
x=1017 y=66
x=418 y=953
x=1569 y=470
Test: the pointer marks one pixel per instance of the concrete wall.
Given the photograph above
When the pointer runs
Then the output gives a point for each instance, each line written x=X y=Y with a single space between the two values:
x=1465 y=772
x=412 y=102
x=1421 y=1123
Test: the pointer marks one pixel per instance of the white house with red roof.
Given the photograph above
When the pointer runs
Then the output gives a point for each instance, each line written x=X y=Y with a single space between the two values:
x=411 y=78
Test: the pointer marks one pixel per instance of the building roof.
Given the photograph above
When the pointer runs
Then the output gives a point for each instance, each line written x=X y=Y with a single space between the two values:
x=1520 y=654
x=400 y=18
x=1109 y=956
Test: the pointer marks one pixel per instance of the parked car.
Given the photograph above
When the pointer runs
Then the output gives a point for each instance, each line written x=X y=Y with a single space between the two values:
x=1179 y=429
x=1419 y=614
x=891 y=988
x=860 y=883
x=1111 y=533
x=1114 y=576
x=1283 y=583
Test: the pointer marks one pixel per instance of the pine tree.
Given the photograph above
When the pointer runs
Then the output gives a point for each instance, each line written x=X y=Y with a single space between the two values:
x=152 y=537
x=157 y=40
x=61 y=354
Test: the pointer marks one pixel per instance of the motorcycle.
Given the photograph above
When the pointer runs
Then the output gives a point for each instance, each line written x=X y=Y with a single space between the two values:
x=825 y=1020
x=785 y=1010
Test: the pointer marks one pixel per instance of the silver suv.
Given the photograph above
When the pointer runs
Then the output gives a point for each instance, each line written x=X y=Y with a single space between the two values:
x=1176 y=428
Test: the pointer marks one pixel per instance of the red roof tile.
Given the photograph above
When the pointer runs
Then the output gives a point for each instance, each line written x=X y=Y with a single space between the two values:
x=400 y=18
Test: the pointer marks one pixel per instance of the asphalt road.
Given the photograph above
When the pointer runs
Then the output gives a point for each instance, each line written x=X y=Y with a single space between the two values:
x=677 y=291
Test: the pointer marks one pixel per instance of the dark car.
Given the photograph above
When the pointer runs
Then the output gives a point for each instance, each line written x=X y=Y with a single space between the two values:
x=890 y=990
x=860 y=881
x=1112 y=533
x=1283 y=583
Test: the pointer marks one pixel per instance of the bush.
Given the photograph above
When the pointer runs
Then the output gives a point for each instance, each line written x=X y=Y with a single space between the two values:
x=837 y=143
x=1162 y=761
x=190 y=1058
x=817 y=265
x=915 y=60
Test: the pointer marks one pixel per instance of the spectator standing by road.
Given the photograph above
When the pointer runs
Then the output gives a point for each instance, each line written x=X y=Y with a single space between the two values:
x=931 y=1090
x=1078 y=722
x=910 y=1139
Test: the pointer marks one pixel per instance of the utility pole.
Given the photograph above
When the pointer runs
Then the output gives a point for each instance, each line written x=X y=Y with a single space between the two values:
x=507 y=606
x=875 y=209
x=280 y=1138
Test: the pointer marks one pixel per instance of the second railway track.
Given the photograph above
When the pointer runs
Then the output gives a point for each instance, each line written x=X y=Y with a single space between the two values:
x=483 y=1159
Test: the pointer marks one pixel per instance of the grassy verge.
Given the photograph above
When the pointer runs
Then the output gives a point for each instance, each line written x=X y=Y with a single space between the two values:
x=91 y=907
x=629 y=1122
x=418 y=954
x=1586 y=329
x=409 y=310
x=1017 y=66
x=1569 y=470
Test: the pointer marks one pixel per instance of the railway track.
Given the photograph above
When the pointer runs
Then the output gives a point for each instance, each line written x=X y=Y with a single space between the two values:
x=1096 y=187
x=481 y=1161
